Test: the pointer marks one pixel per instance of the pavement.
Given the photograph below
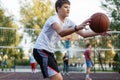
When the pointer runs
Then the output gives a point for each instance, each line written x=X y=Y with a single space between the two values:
x=26 y=74
x=19 y=70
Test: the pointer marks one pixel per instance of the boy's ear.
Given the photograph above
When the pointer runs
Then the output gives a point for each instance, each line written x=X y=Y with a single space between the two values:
x=58 y=8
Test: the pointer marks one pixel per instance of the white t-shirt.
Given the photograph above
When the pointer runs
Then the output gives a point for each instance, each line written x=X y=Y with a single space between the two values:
x=48 y=36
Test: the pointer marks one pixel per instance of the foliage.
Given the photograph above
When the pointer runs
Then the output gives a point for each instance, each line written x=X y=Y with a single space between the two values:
x=34 y=14
x=113 y=9
x=116 y=64
x=22 y=62
x=9 y=35
x=58 y=55
x=103 y=56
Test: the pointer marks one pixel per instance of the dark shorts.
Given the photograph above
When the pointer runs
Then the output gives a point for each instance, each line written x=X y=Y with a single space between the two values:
x=46 y=61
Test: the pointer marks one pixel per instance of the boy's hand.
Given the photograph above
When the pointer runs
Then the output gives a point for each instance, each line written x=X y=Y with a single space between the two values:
x=84 y=24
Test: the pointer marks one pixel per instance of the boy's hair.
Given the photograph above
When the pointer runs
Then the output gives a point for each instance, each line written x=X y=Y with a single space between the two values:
x=88 y=45
x=59 y=3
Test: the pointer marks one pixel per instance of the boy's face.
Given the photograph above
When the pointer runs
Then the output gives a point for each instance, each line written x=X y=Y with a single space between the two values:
x=64 y=10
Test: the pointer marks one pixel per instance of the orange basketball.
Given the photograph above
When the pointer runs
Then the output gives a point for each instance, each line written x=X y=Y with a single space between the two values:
x=99 y=22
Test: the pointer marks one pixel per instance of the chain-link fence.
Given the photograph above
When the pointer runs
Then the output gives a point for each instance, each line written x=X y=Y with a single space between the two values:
x=14 y=41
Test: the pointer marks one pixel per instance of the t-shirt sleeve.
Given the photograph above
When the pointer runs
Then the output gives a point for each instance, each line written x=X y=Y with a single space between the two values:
x=71 y=23
x=52 y=20
x=68 y=23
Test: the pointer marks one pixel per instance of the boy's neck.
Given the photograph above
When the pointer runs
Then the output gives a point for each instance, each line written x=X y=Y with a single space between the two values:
x=62 y=18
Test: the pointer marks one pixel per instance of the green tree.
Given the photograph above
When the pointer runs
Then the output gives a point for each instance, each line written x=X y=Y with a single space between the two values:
x=59 y=56
x=116 y=65
x=34 y=14
x=113 y=9
x=9 y=35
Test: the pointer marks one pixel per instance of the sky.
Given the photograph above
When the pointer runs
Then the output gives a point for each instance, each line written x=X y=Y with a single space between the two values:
x=80 y=9
x=83 y=9
x=12 y=6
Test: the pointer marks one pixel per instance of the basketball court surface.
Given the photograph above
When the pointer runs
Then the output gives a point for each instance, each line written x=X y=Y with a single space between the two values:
x=72 y=76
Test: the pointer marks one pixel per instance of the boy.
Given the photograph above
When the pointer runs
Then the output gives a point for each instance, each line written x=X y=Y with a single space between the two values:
x=56 y=26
